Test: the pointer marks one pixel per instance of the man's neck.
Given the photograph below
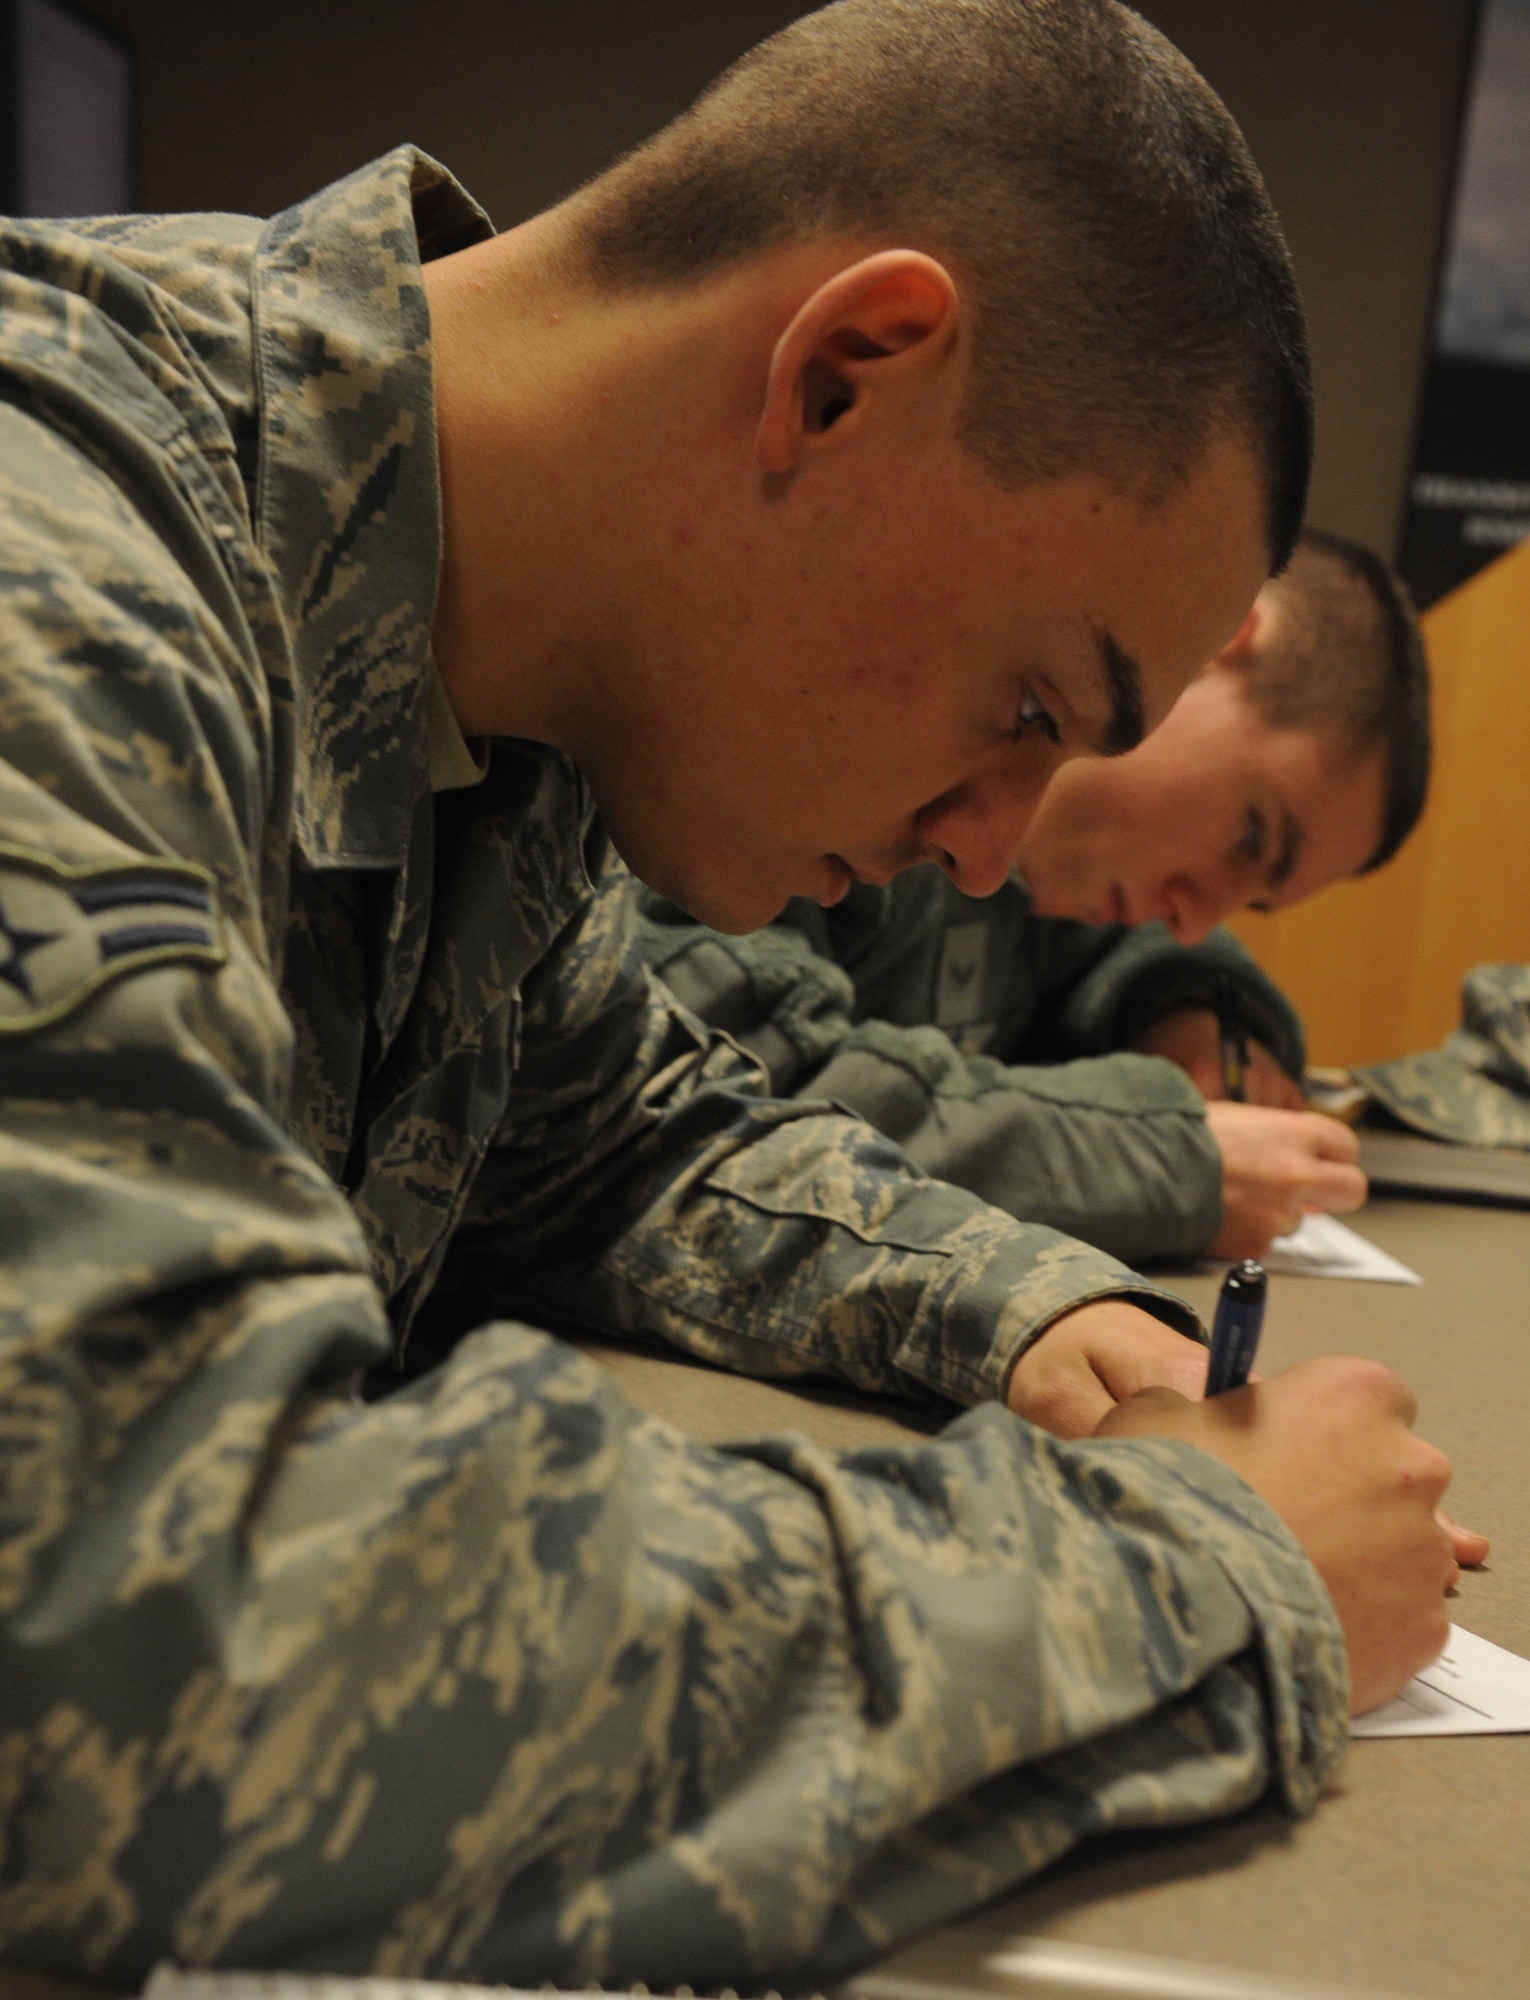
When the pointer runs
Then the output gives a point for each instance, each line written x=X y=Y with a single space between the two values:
x=519 y=599
x=590 y=443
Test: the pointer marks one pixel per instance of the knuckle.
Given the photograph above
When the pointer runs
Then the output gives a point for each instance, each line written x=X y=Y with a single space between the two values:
x=1335 y=1140
x=1045 y=1401
x=1372 y=1383
x=1358 y=1375
x=1429 y=1470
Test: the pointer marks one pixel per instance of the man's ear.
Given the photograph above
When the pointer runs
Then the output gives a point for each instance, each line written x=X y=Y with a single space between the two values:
x=881 y=319
x=1240 y=648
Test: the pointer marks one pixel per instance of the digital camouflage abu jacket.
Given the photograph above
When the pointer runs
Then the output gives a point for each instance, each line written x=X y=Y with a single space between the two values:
x=992 y=1044
x=486 y=1674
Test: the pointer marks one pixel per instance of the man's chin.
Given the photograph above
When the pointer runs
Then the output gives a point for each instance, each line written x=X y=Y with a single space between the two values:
x=730 y=910
x=732 y=921
x=729 y=906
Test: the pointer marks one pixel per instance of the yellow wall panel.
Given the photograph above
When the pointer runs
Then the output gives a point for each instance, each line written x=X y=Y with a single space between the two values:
x=1375 y=966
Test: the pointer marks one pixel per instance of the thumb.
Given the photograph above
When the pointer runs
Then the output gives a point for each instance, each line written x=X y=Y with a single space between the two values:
x=1143 y=1415
x=1468 y=1547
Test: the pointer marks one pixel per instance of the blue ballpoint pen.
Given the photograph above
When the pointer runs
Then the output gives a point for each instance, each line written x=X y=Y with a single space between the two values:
x=1235 y=1330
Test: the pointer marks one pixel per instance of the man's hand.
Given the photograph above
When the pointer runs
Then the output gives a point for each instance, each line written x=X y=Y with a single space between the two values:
x=1095 y=1357
x=1275 y=1166
x=1329 y=1446
x=1189 y=1036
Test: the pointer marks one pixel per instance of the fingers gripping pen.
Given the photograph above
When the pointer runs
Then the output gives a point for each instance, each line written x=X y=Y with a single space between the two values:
x=1235 y=1330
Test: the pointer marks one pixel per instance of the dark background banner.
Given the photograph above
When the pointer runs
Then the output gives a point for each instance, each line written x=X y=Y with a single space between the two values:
x=1469 y=494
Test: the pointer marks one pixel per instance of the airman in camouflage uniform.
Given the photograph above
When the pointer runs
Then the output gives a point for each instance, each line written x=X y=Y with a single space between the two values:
x=324 y=1019
x=993 y=1045
x=489 y=1676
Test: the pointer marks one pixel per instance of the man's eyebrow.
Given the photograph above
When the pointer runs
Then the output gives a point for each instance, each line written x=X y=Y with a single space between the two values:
x=1292 y=834
x=1128 y=718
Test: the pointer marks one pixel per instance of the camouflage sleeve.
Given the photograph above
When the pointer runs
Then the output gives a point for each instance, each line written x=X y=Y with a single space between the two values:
x=1113 y=1150
x=497 y=1679
x=1146 y=973
x=642 y=1183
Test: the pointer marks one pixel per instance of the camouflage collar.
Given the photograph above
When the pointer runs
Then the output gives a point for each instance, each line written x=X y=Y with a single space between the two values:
x=455 y=765
x=347 y=502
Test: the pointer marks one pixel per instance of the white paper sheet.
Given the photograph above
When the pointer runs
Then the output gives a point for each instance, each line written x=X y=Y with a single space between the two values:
x=1324 y=1248
x=1473 y=1689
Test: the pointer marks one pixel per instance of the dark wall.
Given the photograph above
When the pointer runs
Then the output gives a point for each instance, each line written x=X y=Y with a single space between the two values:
x=1350 y=108
x=249 y=104
x=1348 y=104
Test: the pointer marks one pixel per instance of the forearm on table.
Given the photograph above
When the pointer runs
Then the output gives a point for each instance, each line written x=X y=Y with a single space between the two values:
x=1114 y=1150
x=523 y=1636
x=800 y=1242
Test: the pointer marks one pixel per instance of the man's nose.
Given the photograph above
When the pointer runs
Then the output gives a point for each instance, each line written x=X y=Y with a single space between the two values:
x=1193 y=905
x=974 y=832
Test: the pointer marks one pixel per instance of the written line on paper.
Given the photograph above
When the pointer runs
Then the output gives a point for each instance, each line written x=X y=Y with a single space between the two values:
x=1473 y=1689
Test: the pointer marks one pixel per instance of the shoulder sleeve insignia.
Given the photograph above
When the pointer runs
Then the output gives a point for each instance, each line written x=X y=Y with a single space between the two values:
x=67 y=932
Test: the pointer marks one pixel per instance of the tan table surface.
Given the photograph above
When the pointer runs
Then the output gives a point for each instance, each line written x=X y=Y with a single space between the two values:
x=1415 y=1875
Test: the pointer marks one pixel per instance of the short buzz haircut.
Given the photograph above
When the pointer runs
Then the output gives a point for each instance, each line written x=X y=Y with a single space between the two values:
x=1346 y=660
x=1130 y=288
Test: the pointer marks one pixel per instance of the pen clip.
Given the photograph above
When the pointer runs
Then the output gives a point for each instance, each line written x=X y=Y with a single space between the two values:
x=1232 y=1040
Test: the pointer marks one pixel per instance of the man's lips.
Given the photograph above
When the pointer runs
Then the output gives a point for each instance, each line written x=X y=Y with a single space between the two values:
x=842 y=873
x=1112 y=908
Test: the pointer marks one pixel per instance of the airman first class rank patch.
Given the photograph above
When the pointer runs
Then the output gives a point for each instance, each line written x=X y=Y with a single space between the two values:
x=67 y=932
